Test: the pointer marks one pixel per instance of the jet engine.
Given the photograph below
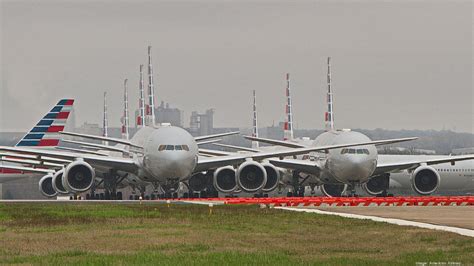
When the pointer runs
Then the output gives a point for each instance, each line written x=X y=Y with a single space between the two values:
x=273 y=177
x=224 y=179
x=333 y=190
x=251 y=176
x=199 y=181
x=78 y=177
x=425 y=180
x=46 y=186
x=58 y=182
x=377 y=184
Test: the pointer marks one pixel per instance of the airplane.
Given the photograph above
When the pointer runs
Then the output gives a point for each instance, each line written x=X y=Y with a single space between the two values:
x=338 y=171
x=44 y=135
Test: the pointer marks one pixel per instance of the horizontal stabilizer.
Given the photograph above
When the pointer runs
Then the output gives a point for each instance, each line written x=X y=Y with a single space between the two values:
x=82 y=151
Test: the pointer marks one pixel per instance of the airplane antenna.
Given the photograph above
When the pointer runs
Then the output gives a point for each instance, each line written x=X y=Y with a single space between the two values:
x=105 y=123
x=151 y=90
x=288 y=126
x=329 y=116
x=141 y=102
x=255 y=144
x=125 y=122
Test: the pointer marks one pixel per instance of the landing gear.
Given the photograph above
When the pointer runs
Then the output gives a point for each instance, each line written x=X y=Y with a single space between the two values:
x=351 y=191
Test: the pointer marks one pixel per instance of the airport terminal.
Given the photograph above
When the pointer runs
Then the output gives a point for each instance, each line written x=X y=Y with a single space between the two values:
x=216 y=164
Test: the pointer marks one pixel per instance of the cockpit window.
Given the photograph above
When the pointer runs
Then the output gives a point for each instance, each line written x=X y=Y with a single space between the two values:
x=173 y=148
x=354 y=151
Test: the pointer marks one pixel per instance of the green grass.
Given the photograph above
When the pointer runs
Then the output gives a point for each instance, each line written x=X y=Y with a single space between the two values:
x=111 y=234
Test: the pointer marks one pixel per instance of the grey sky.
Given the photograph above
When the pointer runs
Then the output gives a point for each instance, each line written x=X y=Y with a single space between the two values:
x=395 y=64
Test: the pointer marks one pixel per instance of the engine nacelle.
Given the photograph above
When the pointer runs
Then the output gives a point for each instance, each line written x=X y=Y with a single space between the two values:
x=251 y=176
x=58 y=182
x=224 y=179
x=425 y=180
x=273 y=177
x=199 y=181
x=377 y=184
x=78 y=177
x=333 y=190
x=46 y=186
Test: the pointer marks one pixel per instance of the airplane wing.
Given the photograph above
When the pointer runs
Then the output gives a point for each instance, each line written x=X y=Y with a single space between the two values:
x=87 y=136
x=201 y=138
x=276 y=142
x=306 y=166
x=27 y=169
x=240 y=148
x=412 y=164
x=103 y=162
x=211 y=162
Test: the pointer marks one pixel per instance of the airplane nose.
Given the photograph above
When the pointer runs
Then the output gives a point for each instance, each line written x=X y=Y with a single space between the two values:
x=178 y=165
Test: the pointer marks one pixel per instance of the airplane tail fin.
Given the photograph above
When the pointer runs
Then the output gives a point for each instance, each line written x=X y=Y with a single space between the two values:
x=45 y=133
x=329 y=115
x=255 y=121
x=288 y=126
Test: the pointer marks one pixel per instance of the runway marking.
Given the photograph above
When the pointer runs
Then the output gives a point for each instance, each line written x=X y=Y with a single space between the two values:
x=457 y=230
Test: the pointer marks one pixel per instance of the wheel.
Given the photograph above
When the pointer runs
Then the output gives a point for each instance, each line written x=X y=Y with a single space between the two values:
x=137 y=197
x=88 y=196
x=96 y=196
x=289 y=194
x=101 y=196
x=185 y=195
x=265 y=195
x=152 y=196
x=130 y=197
x=107 y=195
x=119 y=195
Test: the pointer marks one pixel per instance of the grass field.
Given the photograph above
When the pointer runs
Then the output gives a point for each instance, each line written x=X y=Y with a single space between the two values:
x=114 y=234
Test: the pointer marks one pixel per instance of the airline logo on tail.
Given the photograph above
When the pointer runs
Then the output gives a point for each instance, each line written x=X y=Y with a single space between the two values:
x=45 y=133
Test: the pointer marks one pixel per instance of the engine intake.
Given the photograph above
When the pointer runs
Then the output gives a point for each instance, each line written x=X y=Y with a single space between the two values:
x=78 y=177
x=333 y=190
x=377 y=184
x=58 y=182
x=425 y=180
x=251 y=176
x=224 y=179
x=273 y=177
x=46 y=186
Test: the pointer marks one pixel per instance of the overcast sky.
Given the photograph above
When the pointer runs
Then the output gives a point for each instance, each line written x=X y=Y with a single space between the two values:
x=396 y=65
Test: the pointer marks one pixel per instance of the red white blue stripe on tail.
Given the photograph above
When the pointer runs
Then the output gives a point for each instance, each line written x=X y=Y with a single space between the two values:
x=45 y=133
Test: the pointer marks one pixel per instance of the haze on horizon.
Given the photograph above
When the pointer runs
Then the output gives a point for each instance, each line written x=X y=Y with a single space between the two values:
x=395 y=65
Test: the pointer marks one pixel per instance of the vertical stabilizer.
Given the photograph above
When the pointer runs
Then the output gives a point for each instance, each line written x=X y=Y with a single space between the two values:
x=288 y=127
x=105 y=122
x=45 y=133
x=329 y=116
x=255 y=121
x=125 y=121
x=141 y=101
x=151 y=91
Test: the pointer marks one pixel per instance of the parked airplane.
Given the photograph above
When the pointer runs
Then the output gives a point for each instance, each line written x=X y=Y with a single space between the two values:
x=338 y=169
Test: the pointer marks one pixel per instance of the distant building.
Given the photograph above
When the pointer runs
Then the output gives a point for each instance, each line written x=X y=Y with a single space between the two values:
x=165 y=114
x=202 y=124
x=273 y=132
x=90 y=128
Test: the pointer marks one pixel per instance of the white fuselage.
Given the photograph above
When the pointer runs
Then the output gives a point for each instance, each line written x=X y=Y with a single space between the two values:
x=170 y=153
x=350 y=165
x=457 y=178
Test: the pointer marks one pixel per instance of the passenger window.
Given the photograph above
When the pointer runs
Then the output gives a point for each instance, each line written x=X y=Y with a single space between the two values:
x=360 y=151
x=178 y=147
x=162 y=147
x=366 y=151
x=185 y=147
x=352 y=151
x=169 y=147
x=343 y=151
